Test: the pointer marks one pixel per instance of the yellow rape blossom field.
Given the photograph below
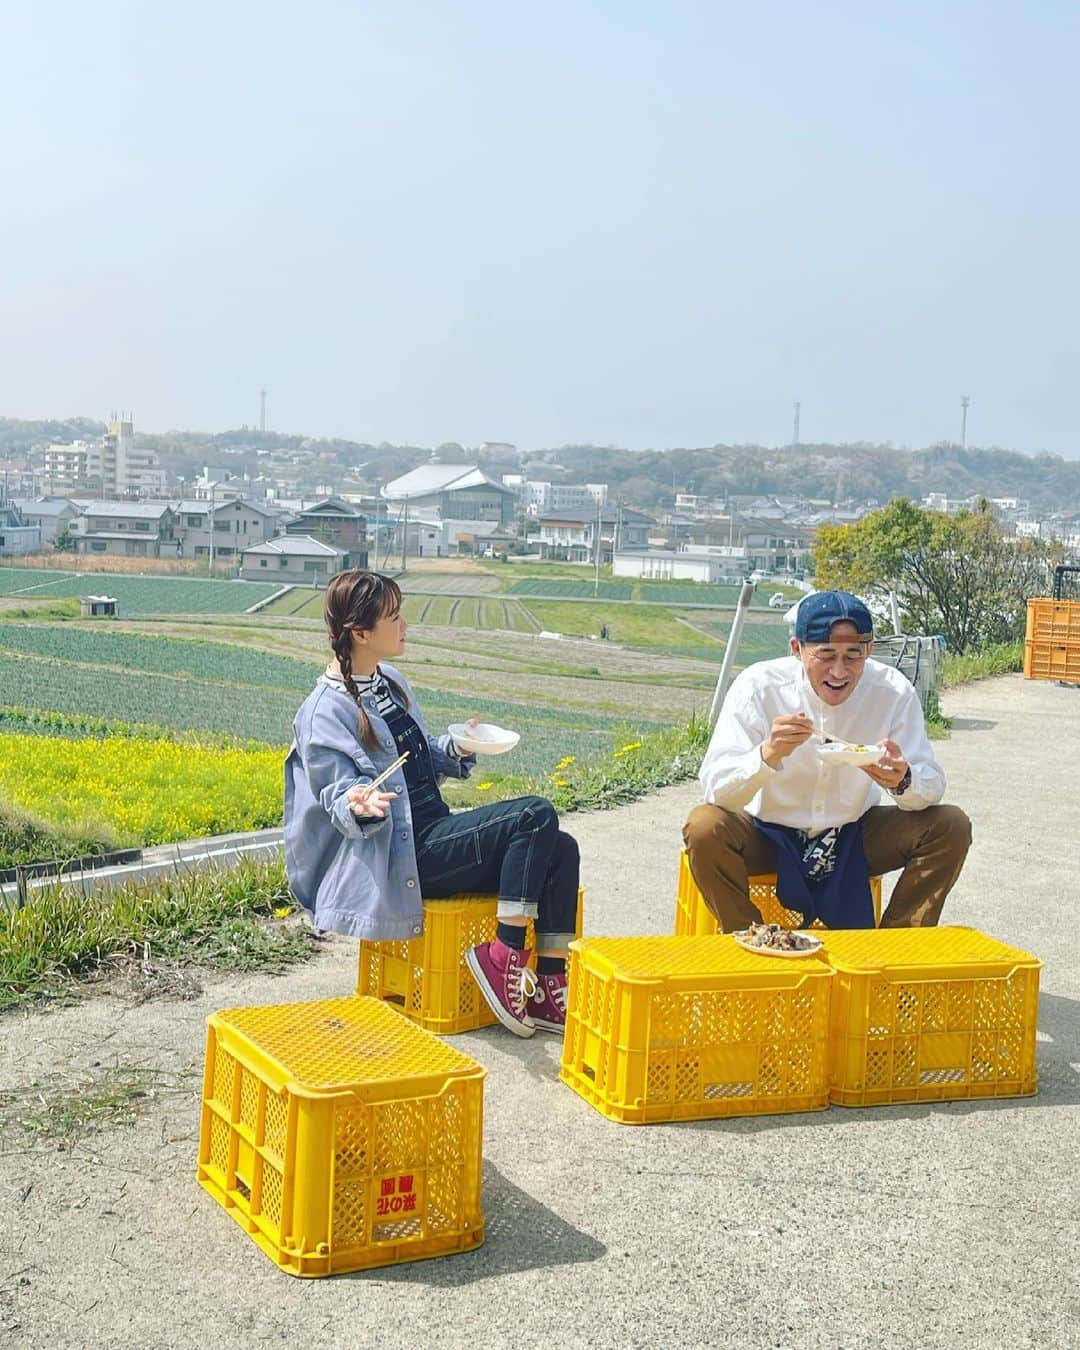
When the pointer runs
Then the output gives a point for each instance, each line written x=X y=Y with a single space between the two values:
x=141 y=791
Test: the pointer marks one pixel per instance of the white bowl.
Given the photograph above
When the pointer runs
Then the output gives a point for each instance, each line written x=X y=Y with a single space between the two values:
x=484 y=739
x=840 y=752
x=776 y=951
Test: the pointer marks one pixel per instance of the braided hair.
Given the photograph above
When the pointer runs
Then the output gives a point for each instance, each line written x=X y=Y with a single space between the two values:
x=357 y=600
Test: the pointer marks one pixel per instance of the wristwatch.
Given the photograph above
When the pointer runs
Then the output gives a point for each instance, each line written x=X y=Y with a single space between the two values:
x=903 y=785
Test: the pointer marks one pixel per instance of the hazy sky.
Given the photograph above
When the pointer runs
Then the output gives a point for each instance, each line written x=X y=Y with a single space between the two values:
x=641 y=224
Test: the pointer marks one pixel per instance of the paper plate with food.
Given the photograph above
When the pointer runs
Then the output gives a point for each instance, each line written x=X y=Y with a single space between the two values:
x=769 y=939
x=483 y=738
x=846 y=752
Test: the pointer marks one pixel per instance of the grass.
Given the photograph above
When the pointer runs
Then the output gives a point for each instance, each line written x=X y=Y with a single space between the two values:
x=40 y=610
x=235 y=919
x=1000 y=659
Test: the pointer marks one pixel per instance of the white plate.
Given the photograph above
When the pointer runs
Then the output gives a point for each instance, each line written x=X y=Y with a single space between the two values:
x=775 y=951
x=841 y=752
x=484 y=739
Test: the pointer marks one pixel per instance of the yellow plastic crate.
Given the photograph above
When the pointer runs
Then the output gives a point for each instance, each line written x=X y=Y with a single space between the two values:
x=693 y=917
x=1052 y=660
x=688 y=1028
x=426 y=977
x=1053 y=621
x=929 y=1014
x=341 y=1137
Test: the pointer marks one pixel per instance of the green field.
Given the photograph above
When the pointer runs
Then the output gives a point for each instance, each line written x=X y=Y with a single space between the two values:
x=218 y=688
x=580 y=590
x=138 y=595
x=97 y=645
x=467 y=611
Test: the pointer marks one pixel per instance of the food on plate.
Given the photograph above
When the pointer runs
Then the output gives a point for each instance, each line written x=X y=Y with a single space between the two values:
x=775 y=938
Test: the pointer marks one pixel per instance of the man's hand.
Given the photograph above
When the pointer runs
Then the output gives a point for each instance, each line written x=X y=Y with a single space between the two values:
x=365 y=801
x=787 y=733
x=890 y=769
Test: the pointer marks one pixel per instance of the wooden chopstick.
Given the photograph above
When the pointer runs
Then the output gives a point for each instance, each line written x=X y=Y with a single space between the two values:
x=387 y=772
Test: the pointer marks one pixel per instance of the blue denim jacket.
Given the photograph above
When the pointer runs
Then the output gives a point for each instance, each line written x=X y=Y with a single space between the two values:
x=357 y=878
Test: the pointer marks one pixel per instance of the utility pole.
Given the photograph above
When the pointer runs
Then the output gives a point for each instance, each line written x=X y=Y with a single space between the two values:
x=965 y=399
x=213 y=492
x=795 y=428
x=599 y=522
x=405 y=533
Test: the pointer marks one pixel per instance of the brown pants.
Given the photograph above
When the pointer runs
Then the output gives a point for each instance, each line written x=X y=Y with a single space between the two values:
x=724 y=848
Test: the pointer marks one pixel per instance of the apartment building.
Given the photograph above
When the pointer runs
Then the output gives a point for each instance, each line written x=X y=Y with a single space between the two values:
x=112 y=466
x=540 y=498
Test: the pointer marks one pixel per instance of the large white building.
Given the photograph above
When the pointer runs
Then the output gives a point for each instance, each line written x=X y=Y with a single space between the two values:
x=539 y=498
x=452 y=492
x=656 y=564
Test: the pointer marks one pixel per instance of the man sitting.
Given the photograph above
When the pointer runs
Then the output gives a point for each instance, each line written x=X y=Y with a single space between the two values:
x=774 y=804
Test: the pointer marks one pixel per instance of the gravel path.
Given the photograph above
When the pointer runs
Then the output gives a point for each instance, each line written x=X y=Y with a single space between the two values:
x=913 y=1226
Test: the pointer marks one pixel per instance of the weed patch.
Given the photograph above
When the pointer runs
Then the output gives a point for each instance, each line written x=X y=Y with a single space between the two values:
x=60 y=1111
x=240 y=918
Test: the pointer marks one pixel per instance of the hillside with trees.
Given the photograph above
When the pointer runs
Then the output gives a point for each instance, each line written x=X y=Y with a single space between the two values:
x=828 y=472
x=647 y=478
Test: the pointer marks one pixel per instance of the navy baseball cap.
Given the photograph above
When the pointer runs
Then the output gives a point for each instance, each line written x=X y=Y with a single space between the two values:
x=817 y=613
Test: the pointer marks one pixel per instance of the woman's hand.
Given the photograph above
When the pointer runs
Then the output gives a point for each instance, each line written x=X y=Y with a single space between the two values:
x=365 y=801
x=470 y=723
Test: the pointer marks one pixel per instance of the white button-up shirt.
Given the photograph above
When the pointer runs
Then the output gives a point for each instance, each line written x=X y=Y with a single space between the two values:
x=806 y=791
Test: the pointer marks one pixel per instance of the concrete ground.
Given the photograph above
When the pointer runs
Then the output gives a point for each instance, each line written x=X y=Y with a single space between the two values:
x=926 y=1225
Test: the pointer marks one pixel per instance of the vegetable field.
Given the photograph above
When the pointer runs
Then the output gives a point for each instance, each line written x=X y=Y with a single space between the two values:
x=190 y=686
x=577 y=590
x=139 y=595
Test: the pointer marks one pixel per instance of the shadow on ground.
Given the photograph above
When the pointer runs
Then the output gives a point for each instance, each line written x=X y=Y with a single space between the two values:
x=510 y=1214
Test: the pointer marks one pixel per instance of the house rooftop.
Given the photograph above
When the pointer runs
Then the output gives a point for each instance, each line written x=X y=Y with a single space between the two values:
x=295 y=546
x=125 y=510
x=44 y=506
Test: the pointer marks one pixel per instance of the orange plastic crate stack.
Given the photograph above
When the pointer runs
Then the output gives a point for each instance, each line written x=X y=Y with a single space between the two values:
x=1052 y=646
x=693 y=917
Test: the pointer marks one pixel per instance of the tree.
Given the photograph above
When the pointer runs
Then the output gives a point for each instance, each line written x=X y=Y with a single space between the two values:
x=64 y=542
x=958 y=575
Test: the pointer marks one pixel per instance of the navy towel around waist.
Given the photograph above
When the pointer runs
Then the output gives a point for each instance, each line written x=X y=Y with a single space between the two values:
x=841 y=899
